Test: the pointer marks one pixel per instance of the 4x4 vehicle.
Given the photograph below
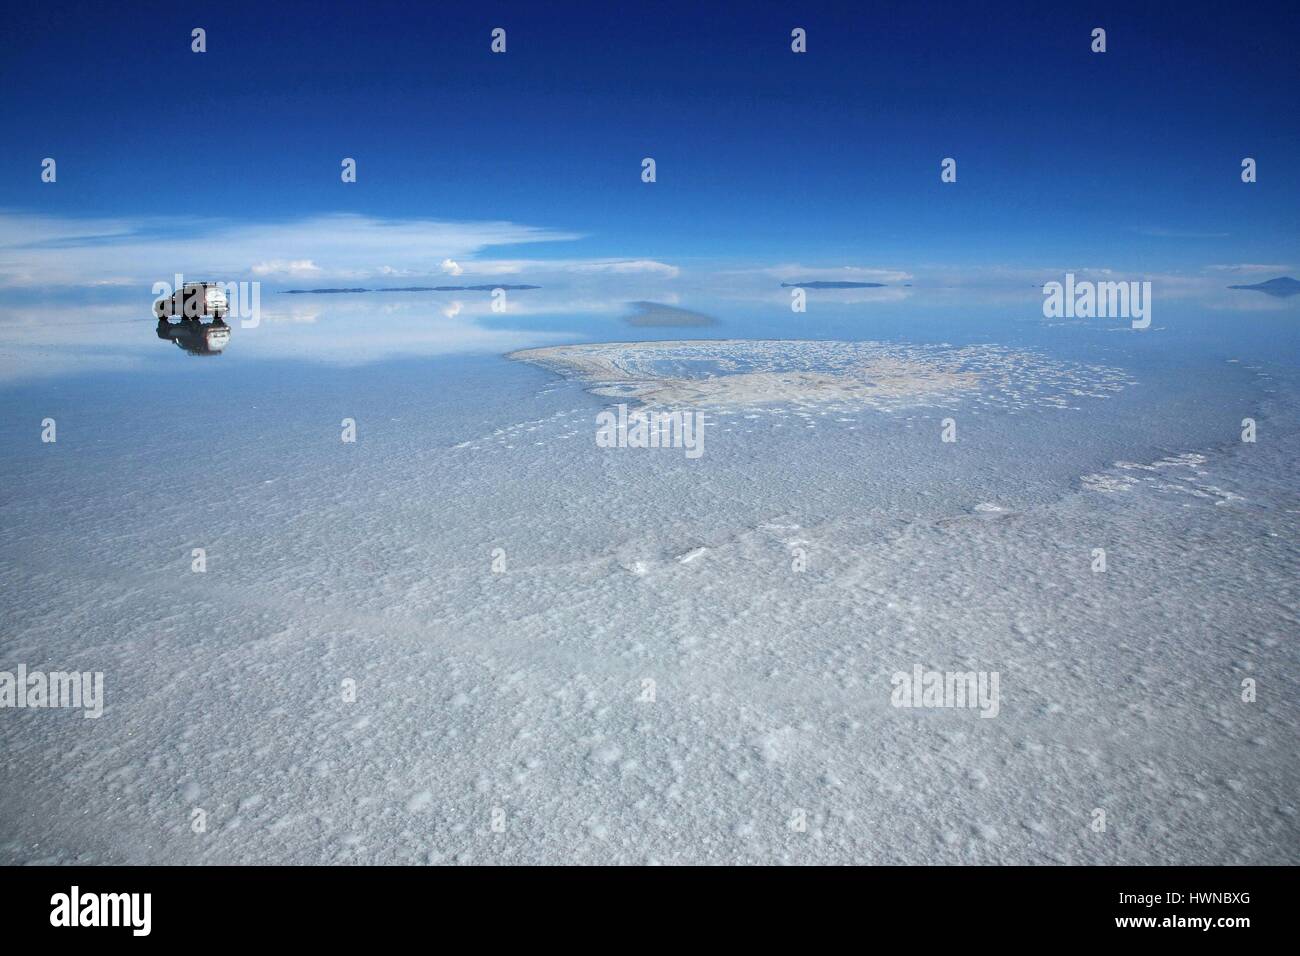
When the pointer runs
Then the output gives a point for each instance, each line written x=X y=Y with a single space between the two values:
x=195 y=300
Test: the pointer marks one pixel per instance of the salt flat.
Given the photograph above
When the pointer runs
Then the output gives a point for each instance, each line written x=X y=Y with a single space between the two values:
x=741 y=372
x=562 y=653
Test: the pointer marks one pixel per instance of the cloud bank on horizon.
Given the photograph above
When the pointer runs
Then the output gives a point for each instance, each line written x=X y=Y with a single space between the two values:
x=48 y=252
x=51 y=251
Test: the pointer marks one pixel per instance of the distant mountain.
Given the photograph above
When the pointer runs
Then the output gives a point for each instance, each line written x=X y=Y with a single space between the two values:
x=413 y=288
x=1282 y=287
x=820 y=284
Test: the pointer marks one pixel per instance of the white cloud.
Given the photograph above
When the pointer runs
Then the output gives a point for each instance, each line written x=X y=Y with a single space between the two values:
x=297 y=268
x=625 y=267
x=499 y=267
x=52 y=251
x=48 y=251
x=792 y=270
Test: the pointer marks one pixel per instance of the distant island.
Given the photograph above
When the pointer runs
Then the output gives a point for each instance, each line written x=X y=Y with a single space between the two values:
x=413 y=288
x=1281 y=287
x=820 y=284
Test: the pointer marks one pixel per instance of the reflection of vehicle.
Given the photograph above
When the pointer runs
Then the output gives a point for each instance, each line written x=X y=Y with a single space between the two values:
x=194 y=300
x=195 y=337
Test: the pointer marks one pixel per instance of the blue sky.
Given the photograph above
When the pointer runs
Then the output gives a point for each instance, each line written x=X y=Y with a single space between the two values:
x=1128 y=159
